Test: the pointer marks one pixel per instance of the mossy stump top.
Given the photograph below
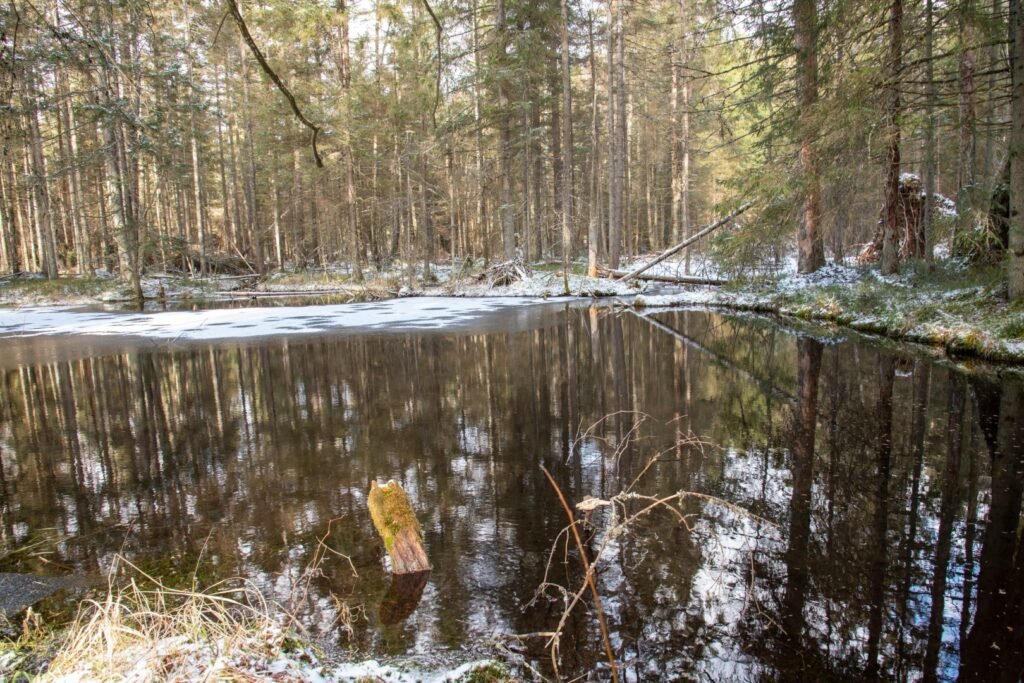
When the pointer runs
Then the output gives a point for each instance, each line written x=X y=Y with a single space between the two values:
x=395 y=521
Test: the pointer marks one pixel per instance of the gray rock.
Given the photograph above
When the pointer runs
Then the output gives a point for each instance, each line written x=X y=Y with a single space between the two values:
x=18 y=591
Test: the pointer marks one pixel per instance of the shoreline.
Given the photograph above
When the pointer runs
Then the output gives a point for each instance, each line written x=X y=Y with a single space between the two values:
x=961 y=311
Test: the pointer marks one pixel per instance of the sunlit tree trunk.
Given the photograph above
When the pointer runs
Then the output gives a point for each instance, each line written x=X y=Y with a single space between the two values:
x=40 y=188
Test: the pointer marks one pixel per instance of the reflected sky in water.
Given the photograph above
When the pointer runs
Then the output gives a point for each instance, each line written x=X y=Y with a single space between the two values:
x=883 y=490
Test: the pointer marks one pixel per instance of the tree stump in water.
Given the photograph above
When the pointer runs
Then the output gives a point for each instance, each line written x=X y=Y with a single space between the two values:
x=396 y=523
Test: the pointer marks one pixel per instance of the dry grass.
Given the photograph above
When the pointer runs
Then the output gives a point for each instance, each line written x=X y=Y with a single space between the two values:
x=136 y=633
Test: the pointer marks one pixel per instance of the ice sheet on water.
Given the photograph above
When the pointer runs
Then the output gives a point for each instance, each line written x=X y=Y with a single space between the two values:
x=415 y=313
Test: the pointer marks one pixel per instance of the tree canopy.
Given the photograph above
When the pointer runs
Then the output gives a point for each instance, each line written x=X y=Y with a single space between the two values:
x=141 y=135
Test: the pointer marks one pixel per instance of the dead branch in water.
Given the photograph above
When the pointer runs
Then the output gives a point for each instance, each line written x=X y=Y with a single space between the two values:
x=619 y=520
x=589 y=575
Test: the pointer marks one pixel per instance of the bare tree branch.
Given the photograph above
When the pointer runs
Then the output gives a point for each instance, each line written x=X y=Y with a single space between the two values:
x=233 y=8
x=439 y=32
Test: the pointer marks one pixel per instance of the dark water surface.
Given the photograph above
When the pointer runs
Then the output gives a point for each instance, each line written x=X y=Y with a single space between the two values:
x=882 y=537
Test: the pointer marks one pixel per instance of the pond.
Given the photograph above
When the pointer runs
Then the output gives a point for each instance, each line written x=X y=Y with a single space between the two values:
x=858 y=512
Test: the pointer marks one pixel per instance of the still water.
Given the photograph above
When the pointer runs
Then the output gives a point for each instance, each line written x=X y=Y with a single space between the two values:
x=868 y=527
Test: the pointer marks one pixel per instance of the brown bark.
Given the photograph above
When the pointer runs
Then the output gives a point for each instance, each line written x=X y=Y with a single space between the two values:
x=1015 y=262
x=890 y=235
x=594 y=222
x=567 y=160
x=505 y=210
x=811 y=252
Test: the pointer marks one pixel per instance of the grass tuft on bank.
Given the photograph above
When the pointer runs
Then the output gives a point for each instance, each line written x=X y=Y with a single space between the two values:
x=147 y=631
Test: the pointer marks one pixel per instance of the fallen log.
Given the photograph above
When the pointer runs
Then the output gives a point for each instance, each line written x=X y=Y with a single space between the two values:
x=685 y=243
x=671 y=279
x=395 y=521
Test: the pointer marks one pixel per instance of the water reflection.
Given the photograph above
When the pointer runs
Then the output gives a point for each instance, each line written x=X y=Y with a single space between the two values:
x=886 y=491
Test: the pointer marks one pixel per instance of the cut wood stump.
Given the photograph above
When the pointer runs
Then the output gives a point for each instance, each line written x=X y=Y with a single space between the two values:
x=396 y=523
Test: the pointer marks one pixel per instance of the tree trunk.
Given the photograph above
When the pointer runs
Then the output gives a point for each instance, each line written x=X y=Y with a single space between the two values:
x=811 y=253
x=8 y=229
x=351 y=207
x=966 y=198
x=567 y=157
x=593 y=222
x=197 y=191
x=505 y=210
x=252 y=209
x=483 y=231
x=890 y=233
x=40 y=190
x=1015 y=264
x=614 y=160
x=930 y=139
x=621 y=135
x=228 y=225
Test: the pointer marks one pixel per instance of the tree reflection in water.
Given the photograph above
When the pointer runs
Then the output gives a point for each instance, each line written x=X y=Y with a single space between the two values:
x=892 y=486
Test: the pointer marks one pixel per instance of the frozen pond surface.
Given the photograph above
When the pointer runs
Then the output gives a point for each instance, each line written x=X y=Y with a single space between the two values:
x=882 y=492
x=413 y=313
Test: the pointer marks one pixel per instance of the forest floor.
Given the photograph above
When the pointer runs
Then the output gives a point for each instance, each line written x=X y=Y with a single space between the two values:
x=960 y=308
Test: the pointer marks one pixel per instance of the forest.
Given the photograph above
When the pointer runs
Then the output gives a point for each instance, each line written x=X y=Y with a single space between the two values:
x=203 y=137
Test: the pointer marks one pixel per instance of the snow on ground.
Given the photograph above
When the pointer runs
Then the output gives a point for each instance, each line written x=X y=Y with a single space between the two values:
x=414 y=313
x=289 y=668
x=701 y=265
x=830 y=274
x=545 y=284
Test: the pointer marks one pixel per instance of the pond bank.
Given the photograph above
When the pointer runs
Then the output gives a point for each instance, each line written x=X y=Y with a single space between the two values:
x=962 y=310
x=230 y=632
